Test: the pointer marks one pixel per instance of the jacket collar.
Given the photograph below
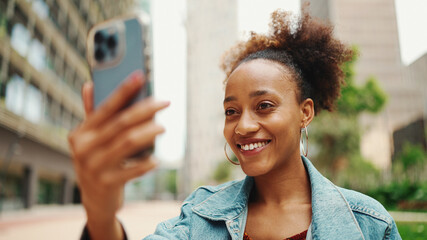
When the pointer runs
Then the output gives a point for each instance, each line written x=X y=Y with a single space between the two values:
x=227 y=203
x=332 y=217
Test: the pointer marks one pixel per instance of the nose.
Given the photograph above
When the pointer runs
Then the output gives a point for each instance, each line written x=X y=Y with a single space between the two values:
x=246 y=125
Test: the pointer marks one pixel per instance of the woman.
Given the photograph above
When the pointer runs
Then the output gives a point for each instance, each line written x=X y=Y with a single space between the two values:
x=275 y=85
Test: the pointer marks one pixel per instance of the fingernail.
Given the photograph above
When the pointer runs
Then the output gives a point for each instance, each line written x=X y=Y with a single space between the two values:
x=137 y=77
x=162 y=101
x=166 y=103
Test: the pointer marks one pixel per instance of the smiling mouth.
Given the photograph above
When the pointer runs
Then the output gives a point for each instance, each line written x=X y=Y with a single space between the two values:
x=252 y=146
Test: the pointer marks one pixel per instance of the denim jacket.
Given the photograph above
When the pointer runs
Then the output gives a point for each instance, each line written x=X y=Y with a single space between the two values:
x=212 y=213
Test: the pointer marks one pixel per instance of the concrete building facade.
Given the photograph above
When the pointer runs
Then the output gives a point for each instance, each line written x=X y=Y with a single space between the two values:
x=211 y=30
x=42 y=69
x=372 y=27
x=415 y=75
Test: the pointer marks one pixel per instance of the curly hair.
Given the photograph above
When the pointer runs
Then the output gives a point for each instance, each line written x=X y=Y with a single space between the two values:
x=304 y=45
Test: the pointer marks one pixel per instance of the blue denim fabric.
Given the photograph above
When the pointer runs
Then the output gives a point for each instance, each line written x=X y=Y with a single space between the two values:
x=220 y=213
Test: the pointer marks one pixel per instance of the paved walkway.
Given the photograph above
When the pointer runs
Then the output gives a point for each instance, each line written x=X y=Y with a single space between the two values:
x=139 y=218
x=409 y=216
x=66 y=222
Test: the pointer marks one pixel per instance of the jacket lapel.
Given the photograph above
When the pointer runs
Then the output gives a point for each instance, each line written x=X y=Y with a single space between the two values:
x=332 y=217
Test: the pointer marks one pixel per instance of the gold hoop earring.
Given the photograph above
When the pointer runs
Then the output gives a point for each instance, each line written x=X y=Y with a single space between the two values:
x=304 y=149
x=226 y=155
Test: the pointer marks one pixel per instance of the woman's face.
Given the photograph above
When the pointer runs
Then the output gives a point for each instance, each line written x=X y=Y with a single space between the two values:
x=263 y=116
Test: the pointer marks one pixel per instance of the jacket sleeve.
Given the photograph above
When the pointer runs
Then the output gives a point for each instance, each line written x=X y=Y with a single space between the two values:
x=392 y=232
x=175 y=228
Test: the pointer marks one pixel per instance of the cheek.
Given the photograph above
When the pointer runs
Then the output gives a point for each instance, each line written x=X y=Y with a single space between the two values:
x=283 y=125
x=228 y=130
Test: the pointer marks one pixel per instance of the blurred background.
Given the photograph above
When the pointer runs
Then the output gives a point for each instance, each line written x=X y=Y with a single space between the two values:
x=374 y=143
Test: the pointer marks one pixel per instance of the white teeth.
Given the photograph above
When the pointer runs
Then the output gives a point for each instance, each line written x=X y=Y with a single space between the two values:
x=253 y=146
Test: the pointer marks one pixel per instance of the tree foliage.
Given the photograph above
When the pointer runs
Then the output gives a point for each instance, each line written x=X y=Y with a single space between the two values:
x=222 y=172
x=410 y=163
x=336 y=136
x=356 y=99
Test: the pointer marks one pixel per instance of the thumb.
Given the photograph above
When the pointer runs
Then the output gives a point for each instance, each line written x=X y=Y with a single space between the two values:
x=87 y=96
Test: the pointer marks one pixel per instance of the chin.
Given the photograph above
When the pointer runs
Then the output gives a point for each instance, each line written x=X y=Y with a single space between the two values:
x=255 y=170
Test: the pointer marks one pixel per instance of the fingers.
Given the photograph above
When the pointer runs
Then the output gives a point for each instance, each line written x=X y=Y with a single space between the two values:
x=120 y=175
x=139 y=168
x=121 y=122
x=117 y=100
x=138 y=113
x=87 y=95
x=125 y=145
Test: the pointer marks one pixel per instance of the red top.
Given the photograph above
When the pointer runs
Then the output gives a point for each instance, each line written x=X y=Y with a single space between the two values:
x=299 y=236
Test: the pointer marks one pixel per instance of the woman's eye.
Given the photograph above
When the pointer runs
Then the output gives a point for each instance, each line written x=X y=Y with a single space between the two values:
x=264 y=105
x=229 y=112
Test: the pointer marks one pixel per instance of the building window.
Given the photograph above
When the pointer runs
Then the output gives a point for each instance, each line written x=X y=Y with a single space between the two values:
x=48 y=114
x=12 y=196
x=49 y=191
x=40 y=8
x=22 y=100
x=37 y=55
x=20 y=39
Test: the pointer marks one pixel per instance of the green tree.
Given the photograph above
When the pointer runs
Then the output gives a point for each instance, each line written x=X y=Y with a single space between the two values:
x=336 y=135
x=223 y=170
x=410 y=162
x=171 y=181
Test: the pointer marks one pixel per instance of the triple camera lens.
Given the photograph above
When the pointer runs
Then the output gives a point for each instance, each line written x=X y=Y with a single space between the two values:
x=105 y=45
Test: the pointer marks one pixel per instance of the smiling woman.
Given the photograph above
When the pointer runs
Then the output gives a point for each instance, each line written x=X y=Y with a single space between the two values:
x=275 y=85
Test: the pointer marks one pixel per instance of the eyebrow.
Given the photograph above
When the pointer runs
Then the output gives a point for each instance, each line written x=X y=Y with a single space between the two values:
x=252 y=94
x=229 y=99
x=258 y=93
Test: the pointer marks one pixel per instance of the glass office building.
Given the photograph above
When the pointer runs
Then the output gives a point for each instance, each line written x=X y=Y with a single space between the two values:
x=42 y=69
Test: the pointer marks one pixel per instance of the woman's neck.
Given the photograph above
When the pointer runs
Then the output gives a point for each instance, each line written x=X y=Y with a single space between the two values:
x=289 y=184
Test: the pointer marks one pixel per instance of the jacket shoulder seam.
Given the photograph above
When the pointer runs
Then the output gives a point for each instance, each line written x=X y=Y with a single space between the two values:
x=371 y=212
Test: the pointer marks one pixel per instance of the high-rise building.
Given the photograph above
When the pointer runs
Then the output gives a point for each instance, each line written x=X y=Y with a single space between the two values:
x=372 y=27
x=42 y=69
x=415 y=75
x=211 y=30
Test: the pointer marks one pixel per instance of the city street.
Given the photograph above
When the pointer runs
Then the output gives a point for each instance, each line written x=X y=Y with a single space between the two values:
x=66 y=223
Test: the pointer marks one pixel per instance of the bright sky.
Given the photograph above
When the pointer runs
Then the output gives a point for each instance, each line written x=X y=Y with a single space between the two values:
x=170 y=67
x=254 y=15
x=412 y=25
x=170 y=49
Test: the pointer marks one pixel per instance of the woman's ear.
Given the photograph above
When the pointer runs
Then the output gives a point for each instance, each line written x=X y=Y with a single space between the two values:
x=307 y=112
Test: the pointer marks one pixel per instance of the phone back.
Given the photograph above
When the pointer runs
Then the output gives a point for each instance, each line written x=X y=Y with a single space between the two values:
x=117 y=50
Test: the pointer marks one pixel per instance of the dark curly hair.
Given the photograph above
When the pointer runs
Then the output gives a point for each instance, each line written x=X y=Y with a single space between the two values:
x=304 y=45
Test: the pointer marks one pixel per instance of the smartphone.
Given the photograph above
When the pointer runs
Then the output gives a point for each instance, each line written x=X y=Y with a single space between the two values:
x=115 y=49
